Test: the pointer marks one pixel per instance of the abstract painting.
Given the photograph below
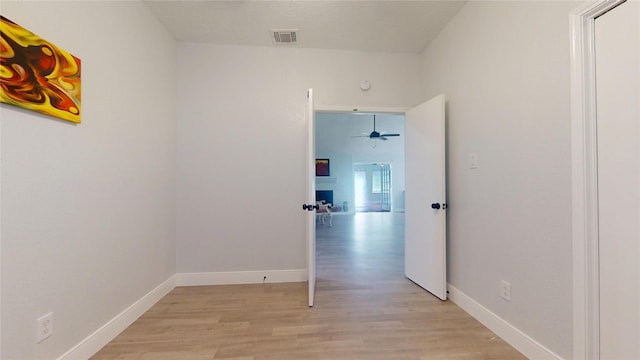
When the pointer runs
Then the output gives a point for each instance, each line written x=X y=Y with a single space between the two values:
x=322 y=167
x=37 y=75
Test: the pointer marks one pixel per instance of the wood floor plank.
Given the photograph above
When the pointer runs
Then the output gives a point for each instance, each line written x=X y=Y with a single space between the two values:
x=364 y=309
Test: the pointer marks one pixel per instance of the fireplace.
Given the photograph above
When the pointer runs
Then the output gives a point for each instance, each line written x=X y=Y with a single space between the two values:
x=326 y=195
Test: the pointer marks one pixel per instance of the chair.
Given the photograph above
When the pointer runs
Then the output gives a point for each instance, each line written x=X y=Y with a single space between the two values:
x=324 y=212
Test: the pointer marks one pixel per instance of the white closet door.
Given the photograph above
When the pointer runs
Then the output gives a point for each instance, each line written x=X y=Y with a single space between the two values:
x=617 y=39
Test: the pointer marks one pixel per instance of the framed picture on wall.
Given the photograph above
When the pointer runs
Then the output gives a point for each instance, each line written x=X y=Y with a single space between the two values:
x=322 y=167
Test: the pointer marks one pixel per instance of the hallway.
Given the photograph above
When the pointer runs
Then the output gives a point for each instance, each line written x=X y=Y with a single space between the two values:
x=365 y=309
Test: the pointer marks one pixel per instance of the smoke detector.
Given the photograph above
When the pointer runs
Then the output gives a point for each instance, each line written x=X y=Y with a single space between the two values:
x=285 y=36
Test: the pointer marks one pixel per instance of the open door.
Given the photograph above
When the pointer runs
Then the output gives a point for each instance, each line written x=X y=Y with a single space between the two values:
x=311 y=206
x=425 y=204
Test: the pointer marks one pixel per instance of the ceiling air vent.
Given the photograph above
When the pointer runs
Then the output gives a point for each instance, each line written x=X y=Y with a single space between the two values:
x=285 y=36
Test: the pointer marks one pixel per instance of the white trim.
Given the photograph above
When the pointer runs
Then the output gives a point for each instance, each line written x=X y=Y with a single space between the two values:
x=107 y=332
x=359 y=109
x=516 y=338
x=584 y=179
x=240 y=277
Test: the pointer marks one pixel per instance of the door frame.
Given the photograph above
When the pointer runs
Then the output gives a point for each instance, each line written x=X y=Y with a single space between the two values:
x=358 y=109
x=586 y=285
x=369 y=109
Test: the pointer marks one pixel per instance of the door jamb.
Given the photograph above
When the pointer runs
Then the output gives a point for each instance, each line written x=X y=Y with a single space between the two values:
x=586 y=284
x=357 y=109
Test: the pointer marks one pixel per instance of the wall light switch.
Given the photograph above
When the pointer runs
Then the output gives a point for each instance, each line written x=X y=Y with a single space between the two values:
x=473 y=161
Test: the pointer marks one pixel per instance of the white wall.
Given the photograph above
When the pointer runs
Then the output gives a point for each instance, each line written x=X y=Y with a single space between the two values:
x=88 y=211
x=241 y=144
x=334 y=140
x=504 y=67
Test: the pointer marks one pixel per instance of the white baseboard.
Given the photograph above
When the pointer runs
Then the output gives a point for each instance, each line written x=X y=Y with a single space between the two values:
x=101 y=337
x=516 y=338
x=241 y=277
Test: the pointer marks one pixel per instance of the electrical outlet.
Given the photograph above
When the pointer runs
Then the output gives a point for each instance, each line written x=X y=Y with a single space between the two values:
x=473 y=161
x=505 y=290
x=44 y=327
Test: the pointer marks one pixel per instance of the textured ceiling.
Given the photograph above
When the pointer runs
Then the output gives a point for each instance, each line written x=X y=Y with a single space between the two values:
x=390 y=26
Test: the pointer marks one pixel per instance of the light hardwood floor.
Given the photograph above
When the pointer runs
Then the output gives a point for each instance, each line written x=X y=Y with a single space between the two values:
x=364 y=309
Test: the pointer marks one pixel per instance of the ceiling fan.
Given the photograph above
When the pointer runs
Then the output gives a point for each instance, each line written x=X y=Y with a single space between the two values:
x=375 y=135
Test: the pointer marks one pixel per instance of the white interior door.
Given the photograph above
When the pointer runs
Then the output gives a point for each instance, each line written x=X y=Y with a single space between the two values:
x=425 y=204
x=311 y=199
x=617 y=46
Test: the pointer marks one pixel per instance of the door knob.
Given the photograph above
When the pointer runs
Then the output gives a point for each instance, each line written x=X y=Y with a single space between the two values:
x=435 y=206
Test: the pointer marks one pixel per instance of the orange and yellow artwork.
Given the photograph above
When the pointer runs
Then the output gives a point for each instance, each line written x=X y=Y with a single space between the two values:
x=37 y=75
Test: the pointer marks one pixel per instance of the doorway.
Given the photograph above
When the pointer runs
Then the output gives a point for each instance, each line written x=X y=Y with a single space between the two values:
x=366 y=183
x=425 y=243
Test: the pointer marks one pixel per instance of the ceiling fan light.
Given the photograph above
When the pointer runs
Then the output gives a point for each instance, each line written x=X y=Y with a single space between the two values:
x=375 y=135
